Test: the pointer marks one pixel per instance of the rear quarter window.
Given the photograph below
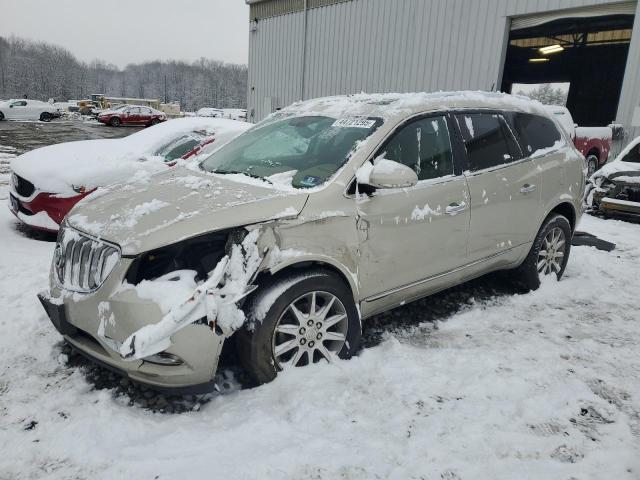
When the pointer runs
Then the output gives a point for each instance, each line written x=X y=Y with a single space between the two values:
x=536 y=132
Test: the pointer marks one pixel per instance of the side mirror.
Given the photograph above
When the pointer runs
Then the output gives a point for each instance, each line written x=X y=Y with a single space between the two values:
x=386 y=174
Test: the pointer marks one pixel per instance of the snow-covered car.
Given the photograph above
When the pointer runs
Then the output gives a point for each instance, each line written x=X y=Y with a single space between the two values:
x=210 y=112
x=593 y=142
x=330 y=211
x=131 y=115
x=615 y=188
x=47 y=182
x=24 y=109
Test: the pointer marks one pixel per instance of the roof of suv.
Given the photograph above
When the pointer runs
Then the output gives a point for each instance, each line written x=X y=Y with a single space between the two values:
x=400 y=105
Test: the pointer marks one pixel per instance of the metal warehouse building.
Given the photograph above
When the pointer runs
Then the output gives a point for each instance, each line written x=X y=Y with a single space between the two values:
x=301 y=49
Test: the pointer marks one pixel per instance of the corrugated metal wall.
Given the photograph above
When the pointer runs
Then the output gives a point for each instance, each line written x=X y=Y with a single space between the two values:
x=395 y=45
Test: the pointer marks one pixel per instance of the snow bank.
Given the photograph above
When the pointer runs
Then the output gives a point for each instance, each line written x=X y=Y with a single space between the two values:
x=92 y=163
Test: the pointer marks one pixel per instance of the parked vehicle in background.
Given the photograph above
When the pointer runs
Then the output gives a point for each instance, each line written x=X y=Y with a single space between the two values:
x=47 y=182
x=615 y=188
x=131 y=115
x=326 y=213
x=25 y=109
x=209 y=112
x=593 y=142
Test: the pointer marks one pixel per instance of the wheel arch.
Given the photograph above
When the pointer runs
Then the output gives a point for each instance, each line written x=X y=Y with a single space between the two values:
x=301 y=263
x=567 y=210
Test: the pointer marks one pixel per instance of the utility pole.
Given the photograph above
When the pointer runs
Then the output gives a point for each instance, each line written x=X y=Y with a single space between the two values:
x=165 y=88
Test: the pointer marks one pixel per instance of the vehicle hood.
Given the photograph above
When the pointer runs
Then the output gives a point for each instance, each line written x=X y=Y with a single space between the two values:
x=617 y=170
x=87 y=163
x=178 y=204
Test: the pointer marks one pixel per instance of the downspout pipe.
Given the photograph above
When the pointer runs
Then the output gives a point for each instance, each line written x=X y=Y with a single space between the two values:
x=304 y=52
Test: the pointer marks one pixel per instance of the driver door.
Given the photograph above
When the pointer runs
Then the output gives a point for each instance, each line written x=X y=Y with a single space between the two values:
x=18 y=110
x=412 y=240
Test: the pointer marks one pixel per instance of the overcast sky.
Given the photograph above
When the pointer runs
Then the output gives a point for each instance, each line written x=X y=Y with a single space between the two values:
x=126 y=31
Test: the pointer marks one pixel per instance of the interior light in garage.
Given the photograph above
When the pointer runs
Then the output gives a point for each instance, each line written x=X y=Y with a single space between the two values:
x=538 y=60
x=551 y=49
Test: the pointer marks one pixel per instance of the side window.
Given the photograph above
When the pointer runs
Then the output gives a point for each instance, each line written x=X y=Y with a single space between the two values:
x=536 y=132
x=423 y=145
x=488 y=140
x=19 y=103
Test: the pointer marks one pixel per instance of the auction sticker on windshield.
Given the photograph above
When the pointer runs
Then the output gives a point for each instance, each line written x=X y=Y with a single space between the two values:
x=354 y=122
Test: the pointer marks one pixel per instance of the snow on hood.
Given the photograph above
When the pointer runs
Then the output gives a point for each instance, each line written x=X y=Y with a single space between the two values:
x=618 y=166
x=177 y=204
x=93 y=163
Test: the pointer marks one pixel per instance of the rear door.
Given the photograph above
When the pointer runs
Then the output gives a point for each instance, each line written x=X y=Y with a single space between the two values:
x=410 y=238
x=504 y=187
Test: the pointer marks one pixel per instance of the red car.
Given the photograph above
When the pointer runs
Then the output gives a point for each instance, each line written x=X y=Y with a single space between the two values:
x=131 y=115
x=47 y=182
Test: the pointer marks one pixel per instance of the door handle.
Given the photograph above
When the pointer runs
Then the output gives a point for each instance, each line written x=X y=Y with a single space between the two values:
x=455 y=208
x=526 y=188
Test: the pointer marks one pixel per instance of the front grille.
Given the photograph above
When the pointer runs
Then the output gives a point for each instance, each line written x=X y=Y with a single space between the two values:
x=82 y=263
x=23 y=187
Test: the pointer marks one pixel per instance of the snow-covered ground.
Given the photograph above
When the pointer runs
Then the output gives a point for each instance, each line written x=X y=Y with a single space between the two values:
x=538 y=386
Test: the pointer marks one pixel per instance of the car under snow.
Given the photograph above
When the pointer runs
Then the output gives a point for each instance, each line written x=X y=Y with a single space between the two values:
x=47 y=182
x=615 y=189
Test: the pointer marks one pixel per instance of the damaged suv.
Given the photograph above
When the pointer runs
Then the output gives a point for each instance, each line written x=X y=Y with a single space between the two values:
x=281 y=242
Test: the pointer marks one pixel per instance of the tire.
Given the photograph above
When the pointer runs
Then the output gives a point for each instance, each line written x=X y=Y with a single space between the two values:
x=114 y=122
x=528 y=274
x=592 y=165
x=45 y=117
x=1 y=116
x=298 y=341
x=153 y=122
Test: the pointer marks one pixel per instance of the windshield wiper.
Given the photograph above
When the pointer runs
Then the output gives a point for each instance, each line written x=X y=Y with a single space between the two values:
x=238 y=172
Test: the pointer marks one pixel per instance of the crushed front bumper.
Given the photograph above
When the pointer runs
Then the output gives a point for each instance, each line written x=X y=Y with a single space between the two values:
x=614 y=206
x=80 y=318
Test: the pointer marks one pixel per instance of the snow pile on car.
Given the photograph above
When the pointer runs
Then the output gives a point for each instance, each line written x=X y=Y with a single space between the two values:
x=216 y=299
x=65 y=167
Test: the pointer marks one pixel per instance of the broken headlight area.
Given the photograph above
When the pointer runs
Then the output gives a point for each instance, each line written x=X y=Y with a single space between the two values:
x=201 y=254
x=164 y=358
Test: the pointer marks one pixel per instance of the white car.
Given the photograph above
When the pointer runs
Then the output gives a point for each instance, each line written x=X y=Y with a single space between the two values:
x=24 y=109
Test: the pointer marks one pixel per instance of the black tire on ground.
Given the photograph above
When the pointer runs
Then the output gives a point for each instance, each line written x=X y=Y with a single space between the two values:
x=45 y=117
x=153 y=122
x=1 y=116
x=536 y=264
x=592 y=165
x=256 y=342
x=114 y=122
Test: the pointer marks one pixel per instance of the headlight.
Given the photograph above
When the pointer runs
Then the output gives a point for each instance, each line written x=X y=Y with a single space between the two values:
x=79 y=189
x=201 y=254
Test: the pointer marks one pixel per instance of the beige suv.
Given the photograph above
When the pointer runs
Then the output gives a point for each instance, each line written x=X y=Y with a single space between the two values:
x=281 y=242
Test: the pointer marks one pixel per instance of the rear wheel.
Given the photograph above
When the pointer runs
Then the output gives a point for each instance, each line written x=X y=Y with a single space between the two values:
x=45 y=117
x=549 y=253
x=313 y=319
x=114 y=122
x=592 y=165
x=1 y=116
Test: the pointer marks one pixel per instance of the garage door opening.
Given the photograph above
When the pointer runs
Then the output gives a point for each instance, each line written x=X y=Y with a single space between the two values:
x=587 y=53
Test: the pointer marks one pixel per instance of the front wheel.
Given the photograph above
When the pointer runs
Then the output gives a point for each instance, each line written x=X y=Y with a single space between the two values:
x=296 y=321
x=153 y=122
x=549 y=253
x=45 y=117
x=1 y=116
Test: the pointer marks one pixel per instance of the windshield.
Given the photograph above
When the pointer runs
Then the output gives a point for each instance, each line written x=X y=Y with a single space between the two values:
x=180 y=146
x=310 y=149
x=632 y=155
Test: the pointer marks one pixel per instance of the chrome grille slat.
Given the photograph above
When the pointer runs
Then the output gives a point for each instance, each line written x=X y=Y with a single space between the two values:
x=81 y=263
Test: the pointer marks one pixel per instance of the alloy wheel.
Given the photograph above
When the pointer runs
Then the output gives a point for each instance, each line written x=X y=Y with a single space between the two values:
x=551 y=254
x=311 y=329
